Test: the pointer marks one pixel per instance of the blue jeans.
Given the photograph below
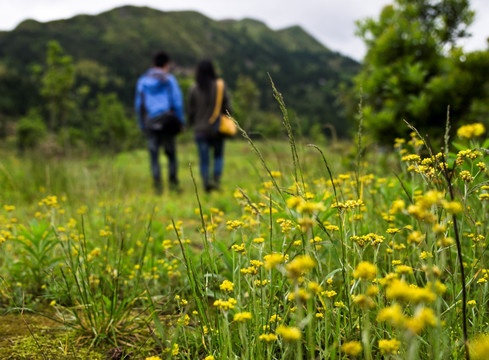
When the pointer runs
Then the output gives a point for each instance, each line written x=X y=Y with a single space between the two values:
x=204 y=145
x=157 y=139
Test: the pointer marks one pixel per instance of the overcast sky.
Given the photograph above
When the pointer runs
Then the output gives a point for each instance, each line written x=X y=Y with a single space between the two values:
x=330 y=21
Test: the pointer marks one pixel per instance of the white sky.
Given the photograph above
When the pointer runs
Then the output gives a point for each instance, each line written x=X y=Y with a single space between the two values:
x=330 y=21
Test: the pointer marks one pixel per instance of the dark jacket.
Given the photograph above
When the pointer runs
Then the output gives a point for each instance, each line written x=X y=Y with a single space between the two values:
x=201 y=106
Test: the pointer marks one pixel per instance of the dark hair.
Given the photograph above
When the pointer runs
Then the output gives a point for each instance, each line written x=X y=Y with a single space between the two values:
x=160 y=59
x=205 y=75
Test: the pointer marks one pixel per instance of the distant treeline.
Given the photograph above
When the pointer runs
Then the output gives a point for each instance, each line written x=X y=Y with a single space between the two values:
x=81 y=86
x=70 y=83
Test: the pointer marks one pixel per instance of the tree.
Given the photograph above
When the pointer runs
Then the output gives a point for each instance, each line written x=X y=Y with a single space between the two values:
x=57 y=83
x=30 y=130
x=246 y=102
x=109 y=125
x=412 y=65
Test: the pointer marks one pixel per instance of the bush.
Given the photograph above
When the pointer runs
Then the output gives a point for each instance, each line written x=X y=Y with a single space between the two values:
x=30 y=130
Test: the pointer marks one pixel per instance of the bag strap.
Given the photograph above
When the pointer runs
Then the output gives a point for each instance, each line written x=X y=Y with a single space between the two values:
x=218 y=106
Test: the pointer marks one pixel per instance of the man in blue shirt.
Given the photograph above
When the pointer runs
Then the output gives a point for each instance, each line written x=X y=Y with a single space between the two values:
x=159 y=109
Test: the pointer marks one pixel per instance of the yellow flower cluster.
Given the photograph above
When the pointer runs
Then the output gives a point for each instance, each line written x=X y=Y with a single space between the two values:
x=50 y=201
x=348 y=205
x=285 y=225
x=467 y=154
x=251 y=270
x=299 y=266
x=363 y=301
x=234 y=224
x=365 y=271
x=394 y=315
x=269 y=338
x=352 y=348
x=423 y=317
x=370 y=238
x=401 y=291
x=272 y=260
x=9 y=208
x=479 y=347
x=239 y=248
x=242 y=316
x=225 y=304
x=289 y=333
x=412 y=158
x=466 y=176
x=389 y=346
x=421 y=209
x=404 y=269
x=227 y=286
x=471 y=130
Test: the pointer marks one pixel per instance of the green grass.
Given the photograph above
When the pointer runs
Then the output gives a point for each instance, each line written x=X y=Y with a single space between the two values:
x=280 y=264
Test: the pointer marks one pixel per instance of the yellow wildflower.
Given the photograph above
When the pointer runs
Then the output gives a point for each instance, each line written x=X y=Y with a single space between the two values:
x=397 y=206
x=225 y=304
x=471 y=130
x=402 y=291
x=268 y=337
x=239 y=248
x=372 y=290
x=415 y=237
x=389 y=346
x=363 y=301
x=332 y=228
x=301 y=265
x=365 y=271
x=272 y=260
x=423 y=317
x=352 y=348
x=227 y=286
x=404 y=269
x=275 y=318
x=453 y=207
x=242 y=316
x=314 y=287
x=479 y=347
x=330 y=294
x=466 y=176
x=289 y=333
x=175 y=350
x=392 y=314
x=9 y=208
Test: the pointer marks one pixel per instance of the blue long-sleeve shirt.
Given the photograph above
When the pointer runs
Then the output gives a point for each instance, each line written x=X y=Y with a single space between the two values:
x=157 y=92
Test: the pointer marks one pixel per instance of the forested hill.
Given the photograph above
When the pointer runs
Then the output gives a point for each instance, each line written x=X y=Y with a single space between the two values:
x=110 y=50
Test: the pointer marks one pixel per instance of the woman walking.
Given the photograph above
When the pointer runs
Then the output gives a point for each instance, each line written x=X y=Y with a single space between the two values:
x=202 y=101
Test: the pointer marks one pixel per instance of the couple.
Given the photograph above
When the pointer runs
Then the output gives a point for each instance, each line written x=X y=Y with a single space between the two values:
x=159 y=108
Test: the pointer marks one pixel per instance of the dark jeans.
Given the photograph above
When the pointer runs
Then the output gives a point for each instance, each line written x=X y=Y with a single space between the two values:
x=204 y=145
x=157 y=139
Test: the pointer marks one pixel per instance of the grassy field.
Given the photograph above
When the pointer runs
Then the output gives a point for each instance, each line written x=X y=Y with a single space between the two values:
x=305 y=253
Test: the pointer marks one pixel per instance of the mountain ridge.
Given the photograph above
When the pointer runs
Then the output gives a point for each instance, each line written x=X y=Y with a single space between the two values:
x=123 y=40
